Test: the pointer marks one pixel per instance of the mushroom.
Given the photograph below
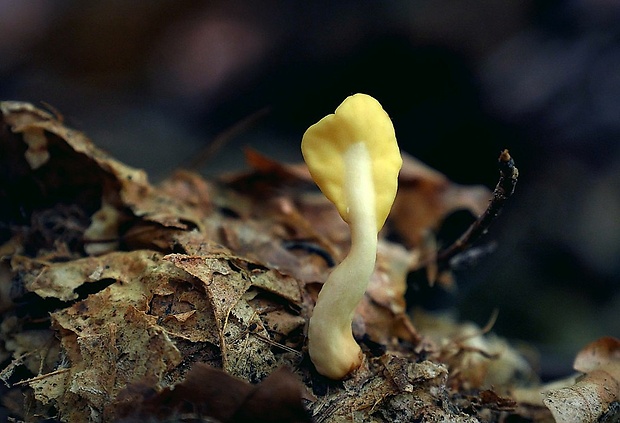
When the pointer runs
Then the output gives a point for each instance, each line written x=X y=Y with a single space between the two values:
x=353 y=157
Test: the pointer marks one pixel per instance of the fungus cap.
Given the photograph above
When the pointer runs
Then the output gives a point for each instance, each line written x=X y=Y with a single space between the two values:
x=360 y=118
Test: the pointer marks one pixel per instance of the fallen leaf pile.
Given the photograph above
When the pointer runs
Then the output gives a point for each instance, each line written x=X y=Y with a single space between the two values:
x=124 y=301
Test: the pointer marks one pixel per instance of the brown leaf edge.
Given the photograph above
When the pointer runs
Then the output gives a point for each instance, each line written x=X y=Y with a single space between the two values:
x=213 y=393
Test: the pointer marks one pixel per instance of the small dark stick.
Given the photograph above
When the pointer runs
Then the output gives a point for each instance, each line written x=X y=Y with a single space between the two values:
x=207 y=153
x=508 y=176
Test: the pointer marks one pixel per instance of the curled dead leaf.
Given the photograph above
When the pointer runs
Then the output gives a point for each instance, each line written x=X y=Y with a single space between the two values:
x=593 y=394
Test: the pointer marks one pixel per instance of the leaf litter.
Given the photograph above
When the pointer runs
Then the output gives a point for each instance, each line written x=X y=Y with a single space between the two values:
x=121 y=300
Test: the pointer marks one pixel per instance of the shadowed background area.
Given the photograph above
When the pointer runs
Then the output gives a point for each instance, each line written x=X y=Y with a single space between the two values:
x=155 y=82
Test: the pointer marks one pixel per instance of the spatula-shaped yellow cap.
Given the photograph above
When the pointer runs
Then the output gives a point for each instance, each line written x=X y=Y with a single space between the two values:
x=360 y=118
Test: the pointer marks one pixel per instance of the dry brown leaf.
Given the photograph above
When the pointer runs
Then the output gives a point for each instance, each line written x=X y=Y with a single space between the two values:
x=103 y=234
x=113 y=337
x=36 y=349
x=191 y=189
x=267 y=175
x=383 y=309
x=409 y=391
x=210 y=392
x=603 y=353
x=476 y=359
x=253 y=239
x=425 y=197
x=61 y=280
x=68 y=168
x=246 y=323
x=593 y=393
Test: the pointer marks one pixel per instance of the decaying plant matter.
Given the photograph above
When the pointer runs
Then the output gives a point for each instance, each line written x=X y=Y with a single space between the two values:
x=190 y=300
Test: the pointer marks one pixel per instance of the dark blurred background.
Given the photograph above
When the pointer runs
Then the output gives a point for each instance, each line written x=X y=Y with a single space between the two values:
x=154 y=82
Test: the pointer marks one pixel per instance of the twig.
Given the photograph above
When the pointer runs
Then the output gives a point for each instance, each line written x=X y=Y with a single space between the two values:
x=41 y=377
x=482 y=331
x=207 y=153
x=57 y=115
x=508 y=176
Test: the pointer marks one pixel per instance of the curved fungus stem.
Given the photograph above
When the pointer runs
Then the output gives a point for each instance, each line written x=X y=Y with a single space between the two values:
x=332 y=348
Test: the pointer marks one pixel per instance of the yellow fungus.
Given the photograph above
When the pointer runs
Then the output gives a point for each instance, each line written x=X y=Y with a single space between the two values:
x=353 y=157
